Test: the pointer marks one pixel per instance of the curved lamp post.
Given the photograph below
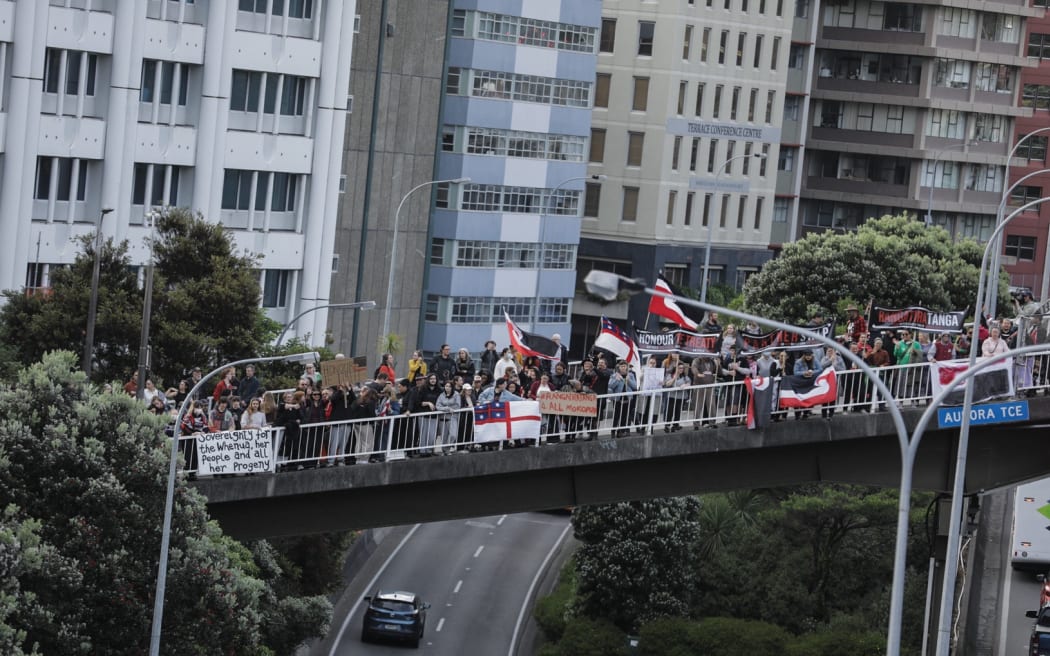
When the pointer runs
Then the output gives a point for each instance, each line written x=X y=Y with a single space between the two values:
x=951 y=567
x=992 y=293
x=606 y=285
x=356 y=305
x=165 y=536
x=543 y=239
x=947 y=594
x=393 y=246
x=711 y=223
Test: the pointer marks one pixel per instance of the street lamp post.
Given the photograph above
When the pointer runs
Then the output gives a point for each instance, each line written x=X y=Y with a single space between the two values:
x=165 y=536
x=951 y=566
x=147 y=308
x=393 y=246
x=992 y=293
x=89 y=338
x=711 y=224
x=356 y=305
x=933 y=174
x=543 y=237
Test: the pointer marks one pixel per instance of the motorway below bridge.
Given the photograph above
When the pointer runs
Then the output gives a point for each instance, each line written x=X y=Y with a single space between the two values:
x=856 y=448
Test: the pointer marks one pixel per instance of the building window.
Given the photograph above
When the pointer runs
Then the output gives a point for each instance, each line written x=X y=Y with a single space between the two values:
x=757 y=61
x=771 y=97
x=274 y=191
x=762 y=162
x=676 y=274
x=592 y=200
x=559 y=256
x=160 y=80
x=1000 y=27
x=774 y=54
x=635 y=146
x=452 y=80
x=745 y=161
x=699 y=99
x=781 y=210
x=689 y=201
x=796 y=55
x=758 y=213
x=646 y=30
x=676 y=152
x=1039 y=45
x=1024 y=194
x=741 y=39
x=705 y=42
x=72 y=71
x=683 y=89
x=712 y=152
x=741 y=206
x=283 y=94
x=640 y=98
x=705 y=219
x=672 y=196
x=67 y=174
x=602 y=82
x=527 y=145
x=1033 y=148
x=1019 y=247
x=597 y=145
x=694 y=153
x=687 y=42
x=734 y=103
x=438 y=252
x=1036 y=96
x=459 y=22
x=607 y=40
x=723 y=211
x=723 y=42
x=716 y=110
x=275 y=288
x=296 y=8
x=791 y=107
x=994 y=77
x=630 y=205
x=518 y=200
x=155 y=185
x=786 y=159
x=534 y=32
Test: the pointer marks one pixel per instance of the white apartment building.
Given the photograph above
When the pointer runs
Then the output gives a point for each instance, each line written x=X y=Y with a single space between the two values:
x=688 y=93
x=233 y=108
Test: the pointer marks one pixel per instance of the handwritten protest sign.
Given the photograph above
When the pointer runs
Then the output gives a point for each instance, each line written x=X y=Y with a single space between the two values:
x=652 y=378
x=345 y=371
x=568 y=403
x=234 y=452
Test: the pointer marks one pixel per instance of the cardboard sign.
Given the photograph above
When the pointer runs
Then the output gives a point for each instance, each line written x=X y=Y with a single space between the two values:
x=569 y=403
x=346 y=371
x=652 y=378
x=234 y=452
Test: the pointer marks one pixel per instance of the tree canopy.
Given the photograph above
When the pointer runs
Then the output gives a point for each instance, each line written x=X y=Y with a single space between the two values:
x=82 y=488
x=205 y=305
x=895 y=260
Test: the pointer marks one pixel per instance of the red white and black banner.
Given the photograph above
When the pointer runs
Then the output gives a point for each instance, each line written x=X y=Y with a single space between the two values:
x=668 y=308
x=531 y=344
x=759 y=401
x=803 y=392
x=917 y=318
x=992 y=382
x=682 y=342
x=783 y=340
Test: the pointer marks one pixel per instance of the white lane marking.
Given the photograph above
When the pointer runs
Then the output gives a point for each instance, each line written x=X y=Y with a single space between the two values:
x=368 y=589
x=532 y=588
x=500 y=522
x=478 y=552
x=441 y=623
x=459 y=584
x=480 y=524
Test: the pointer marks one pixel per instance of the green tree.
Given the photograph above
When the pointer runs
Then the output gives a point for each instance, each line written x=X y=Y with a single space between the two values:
x=83 y=478
x=31 y=325
x=206 y=297
x=895 y=260
x=632 y=565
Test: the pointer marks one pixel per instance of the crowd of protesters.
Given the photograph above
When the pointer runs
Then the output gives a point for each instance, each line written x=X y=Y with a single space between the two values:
x=329 y=425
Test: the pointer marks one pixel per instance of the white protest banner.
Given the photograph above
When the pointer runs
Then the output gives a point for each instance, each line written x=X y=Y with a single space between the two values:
x=652 y=378
x=234 y=452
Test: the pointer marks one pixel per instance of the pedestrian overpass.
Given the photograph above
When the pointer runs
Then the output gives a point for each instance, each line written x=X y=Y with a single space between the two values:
x=850 y=447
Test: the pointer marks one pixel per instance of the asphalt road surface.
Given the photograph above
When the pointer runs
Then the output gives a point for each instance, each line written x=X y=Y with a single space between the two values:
x=476 y=574
x=1021 y=592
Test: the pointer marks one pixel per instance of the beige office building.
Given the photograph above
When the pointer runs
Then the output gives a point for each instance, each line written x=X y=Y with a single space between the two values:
x=686 y=127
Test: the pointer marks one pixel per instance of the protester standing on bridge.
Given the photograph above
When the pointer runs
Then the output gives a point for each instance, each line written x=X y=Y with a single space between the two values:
x=448 y=404
x=250 y=386
x=705 y=371
x=623 y=382
x=386 y=366
x=253 y=417
x=995 y=344
x=417 y=366
x=489 y=357
x=856 y=325
x=443 y=366
x=337 y=408
x=289 y=418
x=676 y=382
x=907 y=351
x=464 y=364
x=465 y=434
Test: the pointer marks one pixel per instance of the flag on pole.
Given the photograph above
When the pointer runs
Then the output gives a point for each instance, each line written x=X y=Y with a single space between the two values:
x=531 y=344
x=759 y=401
x=992 y=382
x=802 y=392
x=615 y=340
x=507 y=420
x=668 y=308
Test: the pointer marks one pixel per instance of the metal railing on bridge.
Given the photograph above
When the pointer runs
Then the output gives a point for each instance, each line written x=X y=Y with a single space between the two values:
x=427 y=434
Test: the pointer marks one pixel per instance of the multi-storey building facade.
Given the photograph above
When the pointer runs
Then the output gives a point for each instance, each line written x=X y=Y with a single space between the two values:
x=686 y=127
x=515 y=120
x=911 y=108
x=235 y=109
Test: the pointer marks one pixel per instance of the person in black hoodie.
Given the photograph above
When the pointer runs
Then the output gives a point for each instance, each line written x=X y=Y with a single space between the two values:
x=337 y=409
x=428 y=424
x=289 y=418
x=464 y=364
x=313 y=412
x=489 y=358
x=363 y=409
